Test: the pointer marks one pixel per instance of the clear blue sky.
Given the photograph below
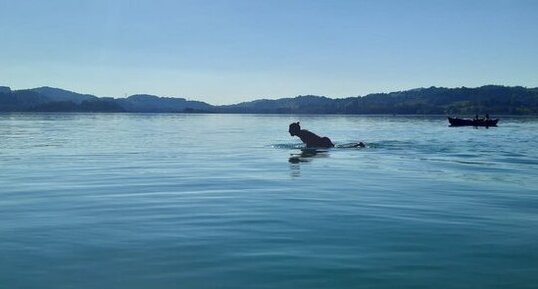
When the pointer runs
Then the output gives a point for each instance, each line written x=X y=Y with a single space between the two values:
x=229 y=51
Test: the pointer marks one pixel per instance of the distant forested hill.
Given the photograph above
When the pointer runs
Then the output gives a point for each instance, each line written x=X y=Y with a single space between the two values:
x=48 y=99
x=486 y=99
x=491 y=99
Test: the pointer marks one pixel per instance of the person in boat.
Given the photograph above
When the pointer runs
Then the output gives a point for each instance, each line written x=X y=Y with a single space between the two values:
x=311 y=139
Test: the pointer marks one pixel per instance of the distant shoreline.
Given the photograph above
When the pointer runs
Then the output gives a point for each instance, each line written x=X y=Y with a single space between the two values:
x=500 y=116
x=463 y=101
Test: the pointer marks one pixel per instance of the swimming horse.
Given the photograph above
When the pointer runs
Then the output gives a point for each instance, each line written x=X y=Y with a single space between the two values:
x=313 y=140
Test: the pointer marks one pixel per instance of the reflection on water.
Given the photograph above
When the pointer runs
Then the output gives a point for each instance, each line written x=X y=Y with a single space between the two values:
x=305 y=155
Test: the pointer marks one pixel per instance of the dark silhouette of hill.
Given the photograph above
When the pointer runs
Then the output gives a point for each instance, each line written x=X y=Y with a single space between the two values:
x=20 y=100
x=152 y=103
x=48 y=99
x=94 y=105
x=493 y=99
x=60 y=95
x=308 y=104
x=433 y=100
x=5 y=89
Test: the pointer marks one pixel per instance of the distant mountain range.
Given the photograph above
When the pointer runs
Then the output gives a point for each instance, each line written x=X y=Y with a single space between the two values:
x=492 y=99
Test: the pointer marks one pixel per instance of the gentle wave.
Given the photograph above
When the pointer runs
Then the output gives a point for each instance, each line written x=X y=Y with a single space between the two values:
x=154 y=203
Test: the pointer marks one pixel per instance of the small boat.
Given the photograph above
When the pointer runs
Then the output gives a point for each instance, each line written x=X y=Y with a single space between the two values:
x=454 y=121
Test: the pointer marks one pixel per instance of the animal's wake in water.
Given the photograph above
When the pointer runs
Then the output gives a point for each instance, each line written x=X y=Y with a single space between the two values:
x=350 y=145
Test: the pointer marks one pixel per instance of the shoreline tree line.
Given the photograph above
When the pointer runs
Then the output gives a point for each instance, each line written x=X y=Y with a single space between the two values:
x=492 y=99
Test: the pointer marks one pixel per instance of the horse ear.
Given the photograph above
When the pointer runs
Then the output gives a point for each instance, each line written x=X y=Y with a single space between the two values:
x=297 y=123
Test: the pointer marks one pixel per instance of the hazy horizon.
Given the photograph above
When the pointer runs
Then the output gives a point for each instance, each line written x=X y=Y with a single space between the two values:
x=224 y=52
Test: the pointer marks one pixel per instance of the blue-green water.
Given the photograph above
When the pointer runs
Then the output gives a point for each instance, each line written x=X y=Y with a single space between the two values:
x=230 y=201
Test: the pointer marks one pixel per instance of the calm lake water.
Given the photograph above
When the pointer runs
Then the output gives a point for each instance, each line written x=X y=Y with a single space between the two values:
x=231 y=201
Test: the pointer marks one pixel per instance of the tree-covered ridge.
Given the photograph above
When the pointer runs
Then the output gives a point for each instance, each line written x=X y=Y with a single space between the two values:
x=491 y=99
x=47 y=99
x=486 y=99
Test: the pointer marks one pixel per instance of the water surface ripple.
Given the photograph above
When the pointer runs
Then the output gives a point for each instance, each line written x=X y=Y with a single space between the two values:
x=231 y=201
